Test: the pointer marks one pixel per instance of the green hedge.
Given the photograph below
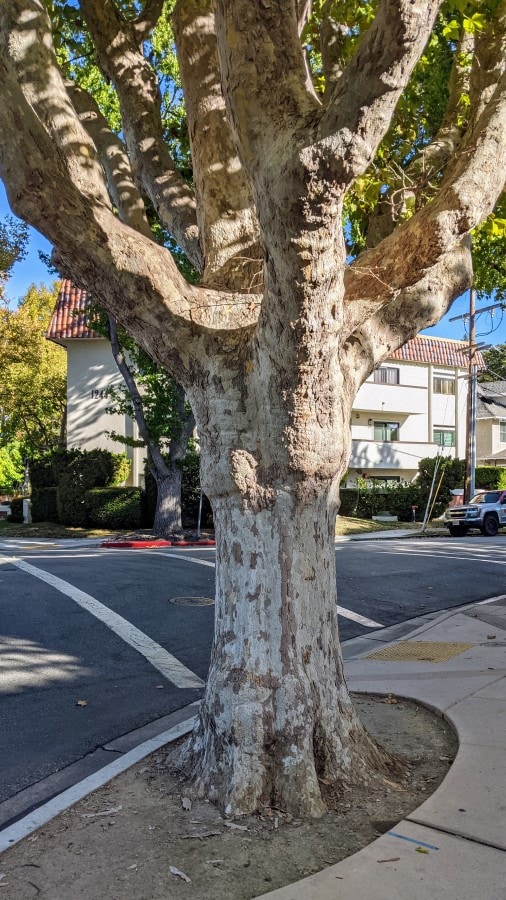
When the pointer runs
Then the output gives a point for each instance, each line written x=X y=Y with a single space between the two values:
x=44 y=504
x=490 y=477
x=114 y=507
x=81 y=471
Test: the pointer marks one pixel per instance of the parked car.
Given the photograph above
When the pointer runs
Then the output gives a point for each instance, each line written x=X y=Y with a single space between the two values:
x=486 y=512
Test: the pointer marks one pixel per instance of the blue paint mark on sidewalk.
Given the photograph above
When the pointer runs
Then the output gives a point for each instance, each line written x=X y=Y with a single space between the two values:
x=411 y=840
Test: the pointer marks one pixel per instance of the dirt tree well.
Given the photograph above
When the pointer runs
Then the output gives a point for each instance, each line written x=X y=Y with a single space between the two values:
x=273 y=343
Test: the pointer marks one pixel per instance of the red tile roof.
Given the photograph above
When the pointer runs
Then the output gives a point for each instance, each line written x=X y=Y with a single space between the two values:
x=439 y=351
x=70 y=319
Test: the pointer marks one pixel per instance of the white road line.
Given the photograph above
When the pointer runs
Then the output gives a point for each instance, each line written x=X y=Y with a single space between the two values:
x=41 y=816
x=473 y=559
x=355 y=617
x=170 y=667
x=200 y=562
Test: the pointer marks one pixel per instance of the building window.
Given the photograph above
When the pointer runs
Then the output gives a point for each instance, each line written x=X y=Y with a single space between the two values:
x=444 y=437
x=383 y=480
x=502 y=432
x=443 y=385
x=386 y=375
x=386 y=431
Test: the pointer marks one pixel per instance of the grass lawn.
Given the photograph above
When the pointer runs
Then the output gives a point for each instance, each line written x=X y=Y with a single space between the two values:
x=344 y=526
x=47 y=530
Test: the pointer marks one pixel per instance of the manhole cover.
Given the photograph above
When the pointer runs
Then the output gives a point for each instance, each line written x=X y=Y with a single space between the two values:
x=421 y=651
x=192 y=601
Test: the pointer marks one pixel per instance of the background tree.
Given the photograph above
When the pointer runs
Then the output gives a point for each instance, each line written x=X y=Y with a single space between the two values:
x=32 y=376
x=164 y=420
x=273 y=343
x=13 y=244
x=495 y=361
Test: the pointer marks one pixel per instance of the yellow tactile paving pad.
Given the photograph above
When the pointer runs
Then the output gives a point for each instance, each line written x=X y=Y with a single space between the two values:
x=420 y=651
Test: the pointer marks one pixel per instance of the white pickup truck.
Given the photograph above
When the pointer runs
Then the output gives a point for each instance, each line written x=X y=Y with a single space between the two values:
x=486 y=511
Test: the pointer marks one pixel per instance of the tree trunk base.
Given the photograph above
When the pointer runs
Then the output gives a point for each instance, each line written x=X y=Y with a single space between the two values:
x=283 y=776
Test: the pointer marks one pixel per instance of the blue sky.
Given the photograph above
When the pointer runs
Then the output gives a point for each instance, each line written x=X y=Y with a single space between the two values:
x=490 y=328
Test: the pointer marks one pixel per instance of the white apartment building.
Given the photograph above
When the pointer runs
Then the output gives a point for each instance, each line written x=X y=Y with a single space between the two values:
x=411 y=407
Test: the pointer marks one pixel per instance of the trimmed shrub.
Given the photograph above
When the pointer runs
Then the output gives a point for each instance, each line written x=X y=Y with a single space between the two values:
x=82 y=472
x=349 y=501
x=44 y=505
x=113 y=507
x=42 y=472
x=490 y=477
x=16 y=513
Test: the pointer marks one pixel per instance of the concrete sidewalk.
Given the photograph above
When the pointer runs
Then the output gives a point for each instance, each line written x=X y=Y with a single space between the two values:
x=454 y=844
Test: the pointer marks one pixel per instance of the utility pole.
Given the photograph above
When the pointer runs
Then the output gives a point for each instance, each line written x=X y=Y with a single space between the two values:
x=469 y=484
x=472 y=380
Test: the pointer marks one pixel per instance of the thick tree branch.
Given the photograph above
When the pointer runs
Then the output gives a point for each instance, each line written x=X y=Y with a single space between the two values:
x=332 y=38
x=226 y=217
x=361 y=107
x=26 y=41
x=264 y=73
x=179 y=445
x=147 y=19
x=417 y=306
x=155 y=172
x=467 y=195
x=420 y=175
x=132 y=277
x=489 y=61
x=114 y=159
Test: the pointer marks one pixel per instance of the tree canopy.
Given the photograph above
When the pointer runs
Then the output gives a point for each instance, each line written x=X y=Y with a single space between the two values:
x=32 y=377
x=342 y=155
x=13 y=242
x=495 y=361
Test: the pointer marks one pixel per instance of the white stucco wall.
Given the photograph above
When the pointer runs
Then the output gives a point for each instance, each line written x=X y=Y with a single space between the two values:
x=90 y=371
x=418 y=410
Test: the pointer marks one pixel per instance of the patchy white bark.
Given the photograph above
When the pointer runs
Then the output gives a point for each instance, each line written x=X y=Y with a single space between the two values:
x=277 y=716
x=273 y=344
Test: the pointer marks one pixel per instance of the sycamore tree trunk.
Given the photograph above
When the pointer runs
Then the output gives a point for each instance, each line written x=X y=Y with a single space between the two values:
x=167 y=519
x=276 y=715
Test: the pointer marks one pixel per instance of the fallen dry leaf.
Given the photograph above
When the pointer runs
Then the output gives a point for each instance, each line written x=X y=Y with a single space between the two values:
x=201 y=835
x=179 y=874
x=422 y=850
x=392 y=859
x=395 y=786
x=236 y=827
x=106 y=812
x=186 y=804
x=491 y=637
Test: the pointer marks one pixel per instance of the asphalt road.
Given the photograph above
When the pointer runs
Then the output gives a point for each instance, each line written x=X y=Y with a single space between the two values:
x=75 y=639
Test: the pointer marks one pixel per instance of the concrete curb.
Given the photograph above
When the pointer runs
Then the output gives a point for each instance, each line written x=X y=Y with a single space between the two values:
x=43 y=814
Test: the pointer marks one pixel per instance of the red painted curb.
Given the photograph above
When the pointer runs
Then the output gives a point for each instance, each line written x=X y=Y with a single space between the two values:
x=144 y=545
x=135 y=545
